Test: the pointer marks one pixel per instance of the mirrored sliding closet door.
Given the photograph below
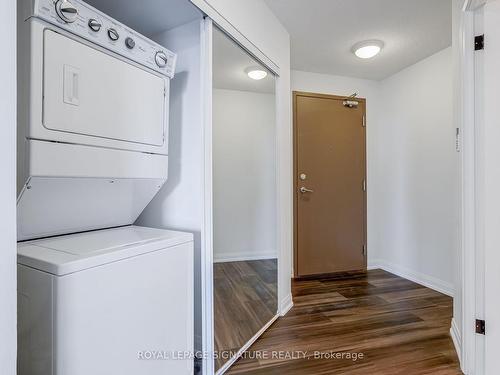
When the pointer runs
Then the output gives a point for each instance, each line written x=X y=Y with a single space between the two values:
x=244 y=198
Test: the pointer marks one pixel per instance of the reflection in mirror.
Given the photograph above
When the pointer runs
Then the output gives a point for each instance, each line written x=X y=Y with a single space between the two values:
x=244 y=197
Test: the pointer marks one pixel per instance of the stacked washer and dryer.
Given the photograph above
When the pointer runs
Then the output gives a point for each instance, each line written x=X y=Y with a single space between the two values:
x=96 y=294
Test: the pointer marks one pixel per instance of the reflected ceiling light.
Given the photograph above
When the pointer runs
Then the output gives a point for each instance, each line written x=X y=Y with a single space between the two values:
x=256 y=72
x=368 y=48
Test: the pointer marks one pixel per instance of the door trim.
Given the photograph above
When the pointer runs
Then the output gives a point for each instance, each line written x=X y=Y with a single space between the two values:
x=297 y=94
x=469 y=346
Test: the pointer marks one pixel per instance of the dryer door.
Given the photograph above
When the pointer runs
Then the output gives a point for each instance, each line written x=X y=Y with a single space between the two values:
x=90 y=93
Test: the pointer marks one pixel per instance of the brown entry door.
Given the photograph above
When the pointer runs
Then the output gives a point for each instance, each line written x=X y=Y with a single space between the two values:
x=330 y=173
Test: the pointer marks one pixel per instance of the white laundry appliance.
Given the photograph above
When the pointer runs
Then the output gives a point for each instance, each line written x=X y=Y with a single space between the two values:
x=93 y=119
x=113 y=301
x=94 y=290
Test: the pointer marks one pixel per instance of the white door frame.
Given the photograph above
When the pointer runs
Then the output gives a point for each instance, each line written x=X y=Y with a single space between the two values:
x=207 y=262
x=8 y=245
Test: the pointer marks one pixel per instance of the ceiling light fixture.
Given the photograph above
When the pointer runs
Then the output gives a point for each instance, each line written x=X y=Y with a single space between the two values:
x=256 y=72
x=368 y=48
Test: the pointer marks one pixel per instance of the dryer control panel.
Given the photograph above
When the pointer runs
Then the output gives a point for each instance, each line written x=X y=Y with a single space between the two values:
x=91 y=24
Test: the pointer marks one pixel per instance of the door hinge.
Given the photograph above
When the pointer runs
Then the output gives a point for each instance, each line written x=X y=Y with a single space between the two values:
x=479 y=42
x=364 y=121
x=364 y=185
x=480 y=327
x=364 y=250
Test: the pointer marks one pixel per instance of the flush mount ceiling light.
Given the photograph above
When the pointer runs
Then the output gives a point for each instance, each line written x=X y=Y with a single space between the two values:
x=256 y=72
x=368 y=48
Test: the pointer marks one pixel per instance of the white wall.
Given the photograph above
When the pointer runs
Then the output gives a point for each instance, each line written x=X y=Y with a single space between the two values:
x=244 y=175
x=344 y=86
x=412 y=167
x=179 y=204
x=8 y=283
x=416 y=167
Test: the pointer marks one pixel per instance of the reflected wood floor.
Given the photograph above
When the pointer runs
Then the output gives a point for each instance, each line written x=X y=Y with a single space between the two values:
x=245 y=300
x=401 y=328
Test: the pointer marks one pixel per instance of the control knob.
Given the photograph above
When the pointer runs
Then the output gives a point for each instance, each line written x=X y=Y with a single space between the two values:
x=66 y=11
x=161 y=59
x=130 y=43
x=94 y=25
x=113 y=34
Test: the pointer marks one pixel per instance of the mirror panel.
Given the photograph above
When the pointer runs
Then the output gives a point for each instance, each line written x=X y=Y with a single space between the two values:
x=244 y=197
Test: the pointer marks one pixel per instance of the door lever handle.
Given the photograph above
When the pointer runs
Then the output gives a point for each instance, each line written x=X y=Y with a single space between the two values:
x=305 y=190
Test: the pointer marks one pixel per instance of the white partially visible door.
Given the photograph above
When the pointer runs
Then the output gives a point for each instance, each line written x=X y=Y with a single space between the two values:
x=490 y=161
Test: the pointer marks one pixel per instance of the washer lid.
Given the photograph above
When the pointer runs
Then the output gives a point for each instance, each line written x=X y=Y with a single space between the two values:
x=76 y=252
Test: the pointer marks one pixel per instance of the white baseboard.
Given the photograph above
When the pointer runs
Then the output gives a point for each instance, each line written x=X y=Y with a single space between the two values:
x=374 y=264
x=245 y=256
x=286 y=304
x=456 y=337
x=417 y=277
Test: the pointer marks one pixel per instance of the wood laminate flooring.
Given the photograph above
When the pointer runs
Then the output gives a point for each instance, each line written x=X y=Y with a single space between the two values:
x=400 y=327
x=245 y=300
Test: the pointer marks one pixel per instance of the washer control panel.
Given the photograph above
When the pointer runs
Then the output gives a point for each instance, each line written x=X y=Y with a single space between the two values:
x=91 y=24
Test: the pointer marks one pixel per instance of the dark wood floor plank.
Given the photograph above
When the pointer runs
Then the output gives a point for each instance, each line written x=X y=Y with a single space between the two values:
x=399 y=326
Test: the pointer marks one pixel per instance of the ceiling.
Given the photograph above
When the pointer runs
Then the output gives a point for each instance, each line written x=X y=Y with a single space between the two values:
x=323 y=32
x=149 y=17
x=229 y=64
